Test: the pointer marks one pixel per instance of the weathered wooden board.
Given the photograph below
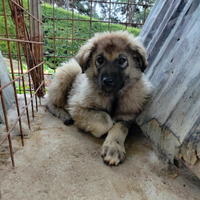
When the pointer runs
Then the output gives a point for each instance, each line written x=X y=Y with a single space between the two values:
x=171 y=35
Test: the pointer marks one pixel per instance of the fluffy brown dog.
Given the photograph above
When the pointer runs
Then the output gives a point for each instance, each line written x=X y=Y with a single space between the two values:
x=103 y=90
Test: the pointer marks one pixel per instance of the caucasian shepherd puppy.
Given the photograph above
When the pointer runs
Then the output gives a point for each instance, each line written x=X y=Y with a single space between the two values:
x=102 y=90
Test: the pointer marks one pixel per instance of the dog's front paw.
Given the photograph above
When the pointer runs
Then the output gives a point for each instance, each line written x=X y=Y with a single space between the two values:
x=113 y=153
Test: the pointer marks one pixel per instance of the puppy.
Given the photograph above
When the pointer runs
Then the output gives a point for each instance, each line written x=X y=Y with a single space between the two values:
x=102 y=90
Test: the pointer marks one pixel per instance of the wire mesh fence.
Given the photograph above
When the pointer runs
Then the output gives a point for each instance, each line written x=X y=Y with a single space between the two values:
x=21 y=38
x=67 y=27
x=37 y=36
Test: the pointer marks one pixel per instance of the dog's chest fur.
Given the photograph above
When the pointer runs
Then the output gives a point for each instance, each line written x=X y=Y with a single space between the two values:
x=123 y=106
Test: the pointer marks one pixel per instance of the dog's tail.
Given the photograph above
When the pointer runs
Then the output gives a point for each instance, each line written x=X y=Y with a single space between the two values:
x=60 y=86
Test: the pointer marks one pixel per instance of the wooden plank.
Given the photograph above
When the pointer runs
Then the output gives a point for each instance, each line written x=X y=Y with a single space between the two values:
x=172 y=37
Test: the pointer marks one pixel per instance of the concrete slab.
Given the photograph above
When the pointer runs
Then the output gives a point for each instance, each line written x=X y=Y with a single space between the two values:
x=60 y=162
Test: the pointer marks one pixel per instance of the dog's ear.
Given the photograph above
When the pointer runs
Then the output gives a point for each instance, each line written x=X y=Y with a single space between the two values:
x=139 y=53
x=84 y=54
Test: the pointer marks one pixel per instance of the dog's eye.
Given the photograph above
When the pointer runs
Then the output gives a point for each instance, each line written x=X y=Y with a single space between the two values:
x=122 y=61
x=100 y=60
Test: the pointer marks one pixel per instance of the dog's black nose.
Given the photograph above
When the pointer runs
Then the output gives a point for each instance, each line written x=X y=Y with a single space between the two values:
x=107 y=81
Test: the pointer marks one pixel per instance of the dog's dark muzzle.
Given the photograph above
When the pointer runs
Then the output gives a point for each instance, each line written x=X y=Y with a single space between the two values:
x=110 y=78
x=111 y=83
x=108 y=81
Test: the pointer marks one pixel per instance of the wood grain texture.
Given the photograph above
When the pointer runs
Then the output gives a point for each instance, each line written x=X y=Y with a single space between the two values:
x=171 y=35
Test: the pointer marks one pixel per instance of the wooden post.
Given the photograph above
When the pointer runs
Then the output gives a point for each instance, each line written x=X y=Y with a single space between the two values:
x=32 y=56
x=36 y=30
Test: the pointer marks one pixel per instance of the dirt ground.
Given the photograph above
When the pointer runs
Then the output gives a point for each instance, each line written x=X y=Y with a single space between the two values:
x=60 y=162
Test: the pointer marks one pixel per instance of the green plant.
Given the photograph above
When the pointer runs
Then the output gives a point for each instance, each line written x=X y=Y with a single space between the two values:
x=19 y=87
x=48 y=70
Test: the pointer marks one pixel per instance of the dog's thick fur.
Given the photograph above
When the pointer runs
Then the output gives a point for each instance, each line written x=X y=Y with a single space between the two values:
x=103 y=89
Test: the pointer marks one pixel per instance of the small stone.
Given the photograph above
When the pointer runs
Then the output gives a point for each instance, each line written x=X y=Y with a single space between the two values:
x=173 y=176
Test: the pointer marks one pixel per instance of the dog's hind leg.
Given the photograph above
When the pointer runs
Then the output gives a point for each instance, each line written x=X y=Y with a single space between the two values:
x=59 y=89
x=61 y=113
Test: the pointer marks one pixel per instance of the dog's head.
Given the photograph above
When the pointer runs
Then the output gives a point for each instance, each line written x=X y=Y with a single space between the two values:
x=114 y=60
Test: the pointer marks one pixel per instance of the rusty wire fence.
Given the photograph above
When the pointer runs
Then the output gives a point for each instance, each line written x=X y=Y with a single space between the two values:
x=37 y=36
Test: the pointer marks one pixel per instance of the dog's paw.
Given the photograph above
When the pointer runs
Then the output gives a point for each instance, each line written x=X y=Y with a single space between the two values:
x=68 y=121
x=113 y=153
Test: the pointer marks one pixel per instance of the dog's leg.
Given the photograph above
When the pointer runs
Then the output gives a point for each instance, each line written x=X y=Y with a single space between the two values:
x=61 y=113
x=113 y=150
x=59 y=88
x=96 y=122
